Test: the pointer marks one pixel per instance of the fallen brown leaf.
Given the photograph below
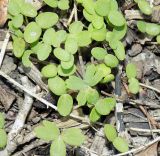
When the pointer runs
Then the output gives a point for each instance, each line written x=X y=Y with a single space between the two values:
x=150 y=151
x=3 y=12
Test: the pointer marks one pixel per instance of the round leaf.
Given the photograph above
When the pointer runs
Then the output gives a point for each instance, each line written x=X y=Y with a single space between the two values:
x=152 y=29
x=98 y=22
x=102 y=107
x=110 y=132
x=102 y=7
x=65 y=104
x=141 y=26
x=58 y=38
x=94 y=115
x=18 y=47
x=111 y=61
x=13 y=8
x=61 y=54
x=120 y=144
x=68 y=64
x=131 y=70
x=107 y=78
x=134 y=86
x=116 y=18
x=158 y=39
x=92 y=96
x=32 y=32
x=63 y=4
x=82 y=97
x=89 y=6
x=47 y=19
x=51 y=3
x=66 y=72
x=17 y=21
x=27 y=9
x=43 y=51
x=145 y=7
x=49 y=70
x=57 y=85
x=73 y=137
x=76 y=27
x=48 y=36
x=87 y=16
x=99 y=53
x=71 y=45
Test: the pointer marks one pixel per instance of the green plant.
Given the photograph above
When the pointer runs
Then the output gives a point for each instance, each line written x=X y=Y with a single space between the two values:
x=131 y=72
x=118 y=142
x=37 y=34
x=3 y=134
x=71 y=136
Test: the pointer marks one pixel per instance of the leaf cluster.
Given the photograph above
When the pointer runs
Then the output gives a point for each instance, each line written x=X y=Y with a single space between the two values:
x=49 y=131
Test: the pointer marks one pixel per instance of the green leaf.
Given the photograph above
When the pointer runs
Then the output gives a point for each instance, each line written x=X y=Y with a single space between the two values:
x=87 y=16
x=57 y=85
x=48 y=36
x=2 y=121
x=63 y=4
x=61 y=54
x=17 y=21
x=13 y=8
x=103 y=69
x=90 y=72
x=94 y=115
x=49 y=70
x=98 y=22
x=27 y=9
x=120 y=32
x=111 y=102
x=92 y=96
x=158 y=39
x=110 y=132
x=48 y=131
x=97 y=34
x=116 y=18
x=65 y=104
x=141 y=26
x=73 y=137
x=32 y=32
x=102 y=7
x=111 y=61
x=113 y=5
x=76 y=27
x=59 y=37
x=47 y=19
x=43 y=51
x=133 y=86
x=89 y=6
x=120 y=144
x=120 y=51
x=131 y=70
x=152 y=29
x=18 y=47
x=83 y=38
x=107 y=78
x=51 y=3
x=71 y=45
x=3 y=140
x=145 y=7
x=75 y=83
x=58 y=147
x=68 y=64
x=82 y=97
x=99 y=53
x=102 y=107
x=25 y=58
x=66 y=72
